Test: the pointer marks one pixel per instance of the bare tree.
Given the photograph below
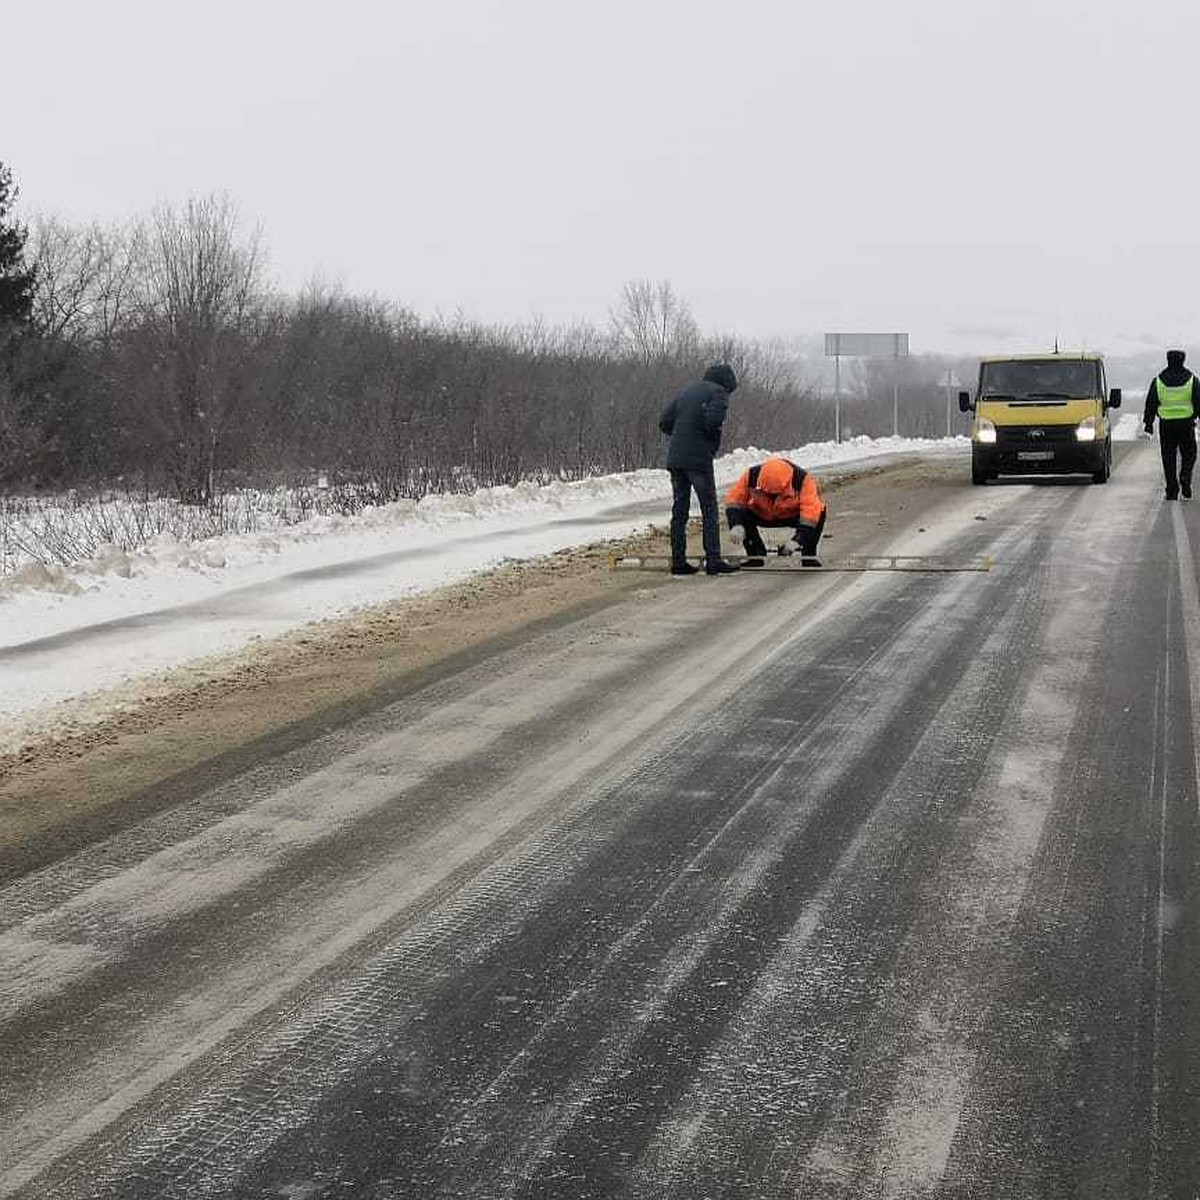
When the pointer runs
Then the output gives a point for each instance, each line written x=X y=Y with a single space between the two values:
x=653 y=323
x=164 y=355
x=199 y=296
x=64 y=259
x=84 y=279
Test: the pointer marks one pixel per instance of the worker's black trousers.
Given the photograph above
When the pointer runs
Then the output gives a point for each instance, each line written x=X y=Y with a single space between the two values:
x=683 y=482
x=1177 y=441
x=807 y=536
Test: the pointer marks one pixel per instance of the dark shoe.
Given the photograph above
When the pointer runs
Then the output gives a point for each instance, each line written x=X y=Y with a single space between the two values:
x=718 y=566
x=684 y=568
x=810 y=560
x=1172 y=496
x=754 y=562
x=1185 y=490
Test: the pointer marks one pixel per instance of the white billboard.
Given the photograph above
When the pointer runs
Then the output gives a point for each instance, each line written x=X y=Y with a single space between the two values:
x=866 y=345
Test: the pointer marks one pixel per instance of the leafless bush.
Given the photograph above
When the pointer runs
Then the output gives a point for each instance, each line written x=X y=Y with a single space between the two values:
x=167 y=360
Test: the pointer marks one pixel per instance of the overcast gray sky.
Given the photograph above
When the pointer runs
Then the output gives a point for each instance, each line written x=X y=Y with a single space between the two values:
x=978 y=175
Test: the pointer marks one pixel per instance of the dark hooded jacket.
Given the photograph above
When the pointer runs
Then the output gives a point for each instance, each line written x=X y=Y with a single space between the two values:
x=1175 y=375
x=694 y=419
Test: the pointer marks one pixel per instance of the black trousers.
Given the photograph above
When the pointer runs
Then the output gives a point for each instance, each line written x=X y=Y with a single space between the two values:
x=705 y=485
x=807 y=536
x=1177 y=441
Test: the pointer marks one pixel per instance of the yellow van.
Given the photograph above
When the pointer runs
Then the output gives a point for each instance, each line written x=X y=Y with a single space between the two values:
x=1041 y=414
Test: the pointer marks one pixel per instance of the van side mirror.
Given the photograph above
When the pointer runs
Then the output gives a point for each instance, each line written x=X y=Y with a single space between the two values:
x=1114 y=398
x=964 y=402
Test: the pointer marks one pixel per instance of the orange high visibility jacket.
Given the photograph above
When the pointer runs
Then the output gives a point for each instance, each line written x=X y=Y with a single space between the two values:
x=777 y=491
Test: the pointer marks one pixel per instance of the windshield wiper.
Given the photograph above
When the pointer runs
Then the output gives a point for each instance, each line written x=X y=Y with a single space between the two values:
x=1049 y=396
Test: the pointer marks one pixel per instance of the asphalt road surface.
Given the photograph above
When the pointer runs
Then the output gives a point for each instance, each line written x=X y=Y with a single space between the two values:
x=833 y=884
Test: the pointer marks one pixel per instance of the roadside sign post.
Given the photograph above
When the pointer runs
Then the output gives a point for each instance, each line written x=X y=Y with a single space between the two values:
x=951 y=383
x=895 y=396
x=837 y=398
x=865 y=345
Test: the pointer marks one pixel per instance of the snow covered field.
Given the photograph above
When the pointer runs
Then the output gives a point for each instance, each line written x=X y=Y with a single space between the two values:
x=66 y=633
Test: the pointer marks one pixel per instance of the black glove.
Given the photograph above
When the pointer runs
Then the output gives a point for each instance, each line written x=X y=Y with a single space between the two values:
x=1149 y=427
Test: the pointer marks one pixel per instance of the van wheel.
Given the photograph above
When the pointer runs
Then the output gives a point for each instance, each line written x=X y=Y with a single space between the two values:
x=1101 y=475
x=979 y=476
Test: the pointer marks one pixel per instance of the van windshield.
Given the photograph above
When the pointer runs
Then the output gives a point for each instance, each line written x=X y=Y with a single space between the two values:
x=1038 y=379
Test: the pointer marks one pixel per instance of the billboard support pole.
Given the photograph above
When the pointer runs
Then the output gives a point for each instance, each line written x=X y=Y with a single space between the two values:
x=837 y=399
x=949 y=381
x=865 y=345
x=896 y=393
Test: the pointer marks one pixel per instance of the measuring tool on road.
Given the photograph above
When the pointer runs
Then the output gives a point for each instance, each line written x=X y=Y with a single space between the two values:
x=776 y=565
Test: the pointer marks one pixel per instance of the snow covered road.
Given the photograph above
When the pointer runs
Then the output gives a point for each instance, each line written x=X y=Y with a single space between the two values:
x=73 y=636
x=827 y=886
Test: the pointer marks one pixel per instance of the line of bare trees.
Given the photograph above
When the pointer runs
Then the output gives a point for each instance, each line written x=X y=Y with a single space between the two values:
x=159 y=357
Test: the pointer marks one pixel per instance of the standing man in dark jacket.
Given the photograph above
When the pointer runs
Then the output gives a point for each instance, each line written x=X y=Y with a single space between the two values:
x=693 y=420
x=1172 y=397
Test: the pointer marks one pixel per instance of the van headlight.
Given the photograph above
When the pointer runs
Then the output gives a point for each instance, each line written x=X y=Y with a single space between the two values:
x=1085 y=431
x=985 y=432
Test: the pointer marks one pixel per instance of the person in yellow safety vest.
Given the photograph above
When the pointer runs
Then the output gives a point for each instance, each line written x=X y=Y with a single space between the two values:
x=1172 y=398
x=775 y=494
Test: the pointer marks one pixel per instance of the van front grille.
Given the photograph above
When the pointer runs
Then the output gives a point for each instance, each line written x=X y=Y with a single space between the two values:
x=1030 y=437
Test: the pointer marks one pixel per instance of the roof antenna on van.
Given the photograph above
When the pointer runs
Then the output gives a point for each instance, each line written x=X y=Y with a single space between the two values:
x=1056 y=343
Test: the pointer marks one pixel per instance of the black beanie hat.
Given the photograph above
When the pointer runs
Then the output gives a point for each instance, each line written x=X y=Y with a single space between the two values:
x=722 y=375
x=1175 y=358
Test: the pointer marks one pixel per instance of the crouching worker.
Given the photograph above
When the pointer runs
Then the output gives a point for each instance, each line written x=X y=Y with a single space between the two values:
x=775 y=494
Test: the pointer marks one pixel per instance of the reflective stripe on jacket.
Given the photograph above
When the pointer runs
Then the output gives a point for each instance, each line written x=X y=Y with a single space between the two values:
x=1175 y=403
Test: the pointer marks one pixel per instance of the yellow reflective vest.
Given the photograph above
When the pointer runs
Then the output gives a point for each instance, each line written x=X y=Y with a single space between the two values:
x=1175 y=403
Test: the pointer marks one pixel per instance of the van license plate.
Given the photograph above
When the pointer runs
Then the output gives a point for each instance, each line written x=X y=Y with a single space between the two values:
x=1035 y=455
